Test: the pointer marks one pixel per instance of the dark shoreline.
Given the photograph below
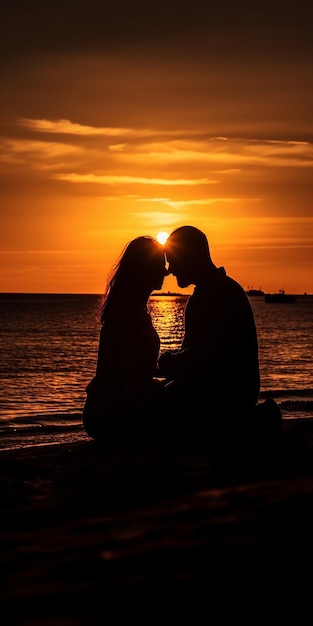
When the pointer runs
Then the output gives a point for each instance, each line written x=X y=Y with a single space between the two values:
x=207 y=531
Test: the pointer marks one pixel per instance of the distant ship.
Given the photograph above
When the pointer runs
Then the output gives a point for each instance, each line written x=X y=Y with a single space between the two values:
x=169 y=293
x=281 y=296
x=255 y=292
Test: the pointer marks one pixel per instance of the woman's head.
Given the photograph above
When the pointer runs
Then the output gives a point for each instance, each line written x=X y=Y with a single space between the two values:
x=141 y=264
x=139 y=270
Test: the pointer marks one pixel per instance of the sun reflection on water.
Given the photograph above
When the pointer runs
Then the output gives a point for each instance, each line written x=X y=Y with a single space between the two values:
x=167 y=313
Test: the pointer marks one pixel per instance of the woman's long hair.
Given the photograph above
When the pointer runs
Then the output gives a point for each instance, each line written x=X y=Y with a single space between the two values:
x=132 y=271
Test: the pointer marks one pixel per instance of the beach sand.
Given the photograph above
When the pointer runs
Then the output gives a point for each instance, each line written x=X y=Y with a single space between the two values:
x=215 y=533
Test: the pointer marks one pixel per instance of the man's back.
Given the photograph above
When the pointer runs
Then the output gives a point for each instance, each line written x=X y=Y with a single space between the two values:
x=220 y=342
x=215 y=377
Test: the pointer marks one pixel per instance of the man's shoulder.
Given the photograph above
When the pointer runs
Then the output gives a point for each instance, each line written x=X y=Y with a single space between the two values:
x=234 y=284
x=220 y=280
x=220 y=287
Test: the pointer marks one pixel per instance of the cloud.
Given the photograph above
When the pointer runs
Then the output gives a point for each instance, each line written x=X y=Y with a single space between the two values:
x=137 y=180
x=194 y=202
x=134 y=146
x=32 y=153
x=67 y=127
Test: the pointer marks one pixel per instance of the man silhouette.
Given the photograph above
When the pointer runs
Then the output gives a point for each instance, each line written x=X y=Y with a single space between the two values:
x=216 y=371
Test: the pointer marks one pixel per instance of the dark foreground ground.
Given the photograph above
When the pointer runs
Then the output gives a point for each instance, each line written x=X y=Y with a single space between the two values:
x=193 y=532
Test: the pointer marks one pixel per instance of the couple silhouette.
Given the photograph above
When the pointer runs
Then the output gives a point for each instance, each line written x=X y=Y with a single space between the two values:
x=210 y=386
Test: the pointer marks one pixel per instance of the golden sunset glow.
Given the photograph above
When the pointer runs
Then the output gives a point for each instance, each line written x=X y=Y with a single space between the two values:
x=106 y=138
x=162 y=237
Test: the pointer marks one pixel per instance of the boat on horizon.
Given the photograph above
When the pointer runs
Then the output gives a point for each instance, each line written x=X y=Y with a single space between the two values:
x=169 y=293
x=280 y=296
x=255 y=292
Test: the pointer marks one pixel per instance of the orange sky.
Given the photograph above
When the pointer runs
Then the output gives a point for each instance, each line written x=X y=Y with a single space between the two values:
x=130 y=119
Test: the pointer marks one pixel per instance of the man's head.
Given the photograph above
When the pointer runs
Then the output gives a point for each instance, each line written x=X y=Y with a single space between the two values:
x=188 y=254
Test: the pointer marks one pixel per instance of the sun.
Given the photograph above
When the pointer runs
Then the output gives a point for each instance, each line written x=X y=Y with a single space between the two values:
x=162 y=237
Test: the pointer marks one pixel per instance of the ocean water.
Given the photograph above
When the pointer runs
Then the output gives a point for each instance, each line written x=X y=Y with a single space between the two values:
x=49 y=347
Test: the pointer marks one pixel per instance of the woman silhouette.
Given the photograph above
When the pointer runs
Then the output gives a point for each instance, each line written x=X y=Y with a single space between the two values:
x=124 y=386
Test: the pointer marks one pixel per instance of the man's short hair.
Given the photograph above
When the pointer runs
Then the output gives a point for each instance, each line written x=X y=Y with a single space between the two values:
x=188 y=238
